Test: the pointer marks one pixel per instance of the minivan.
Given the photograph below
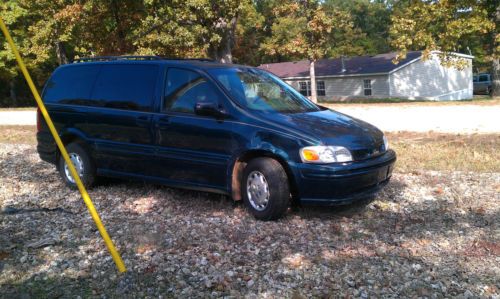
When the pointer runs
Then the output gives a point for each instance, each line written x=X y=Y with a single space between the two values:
x=202 y=125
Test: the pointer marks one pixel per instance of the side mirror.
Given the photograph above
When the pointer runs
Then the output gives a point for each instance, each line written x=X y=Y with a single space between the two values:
x=209 y=109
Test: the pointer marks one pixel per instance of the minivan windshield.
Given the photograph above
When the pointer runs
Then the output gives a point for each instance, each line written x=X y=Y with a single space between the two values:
x=259 y=90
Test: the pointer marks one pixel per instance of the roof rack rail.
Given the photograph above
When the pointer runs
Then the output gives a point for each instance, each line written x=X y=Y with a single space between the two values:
x=196 y=59
x=112 y=58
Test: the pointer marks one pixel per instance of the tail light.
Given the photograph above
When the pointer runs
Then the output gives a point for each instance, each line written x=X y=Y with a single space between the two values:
x=38 y=120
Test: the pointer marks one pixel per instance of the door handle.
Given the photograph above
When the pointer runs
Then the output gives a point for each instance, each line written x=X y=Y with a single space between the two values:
x=142 y=120
x=162 y=122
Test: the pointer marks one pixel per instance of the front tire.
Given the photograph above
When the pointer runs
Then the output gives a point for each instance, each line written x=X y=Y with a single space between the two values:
x=265 y=189
x=83 y=163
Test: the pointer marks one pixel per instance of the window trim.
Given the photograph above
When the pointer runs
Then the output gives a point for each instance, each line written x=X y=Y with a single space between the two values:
x=367 y=89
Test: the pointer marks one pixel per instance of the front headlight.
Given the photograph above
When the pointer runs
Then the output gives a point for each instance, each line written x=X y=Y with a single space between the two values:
x=386 y=143
x=325 y=154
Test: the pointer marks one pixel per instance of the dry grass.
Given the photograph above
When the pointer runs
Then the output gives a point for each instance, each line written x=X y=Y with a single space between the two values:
x=477 y=101
x=416 y=151
x=18 y=134
x=18 y=109
x=435 y=151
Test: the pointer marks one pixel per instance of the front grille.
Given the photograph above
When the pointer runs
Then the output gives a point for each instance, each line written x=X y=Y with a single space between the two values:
x=363 y=154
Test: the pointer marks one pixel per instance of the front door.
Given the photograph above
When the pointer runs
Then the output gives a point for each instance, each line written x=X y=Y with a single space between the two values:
x=192 y=150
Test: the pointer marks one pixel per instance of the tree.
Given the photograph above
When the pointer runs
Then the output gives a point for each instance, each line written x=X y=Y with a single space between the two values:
x=12 y=13
x=190 y=28
x=444 y=26
x=370 y=17
x=302 y=29
x=250 y=32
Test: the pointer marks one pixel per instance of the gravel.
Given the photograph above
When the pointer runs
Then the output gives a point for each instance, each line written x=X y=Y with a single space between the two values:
x=428 y=234
x=459 y=118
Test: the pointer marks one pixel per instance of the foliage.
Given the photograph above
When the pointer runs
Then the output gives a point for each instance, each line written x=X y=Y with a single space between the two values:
x=53 y=32
x=303 y=29
x=439 y=25
x=370 y=17
x=189 y=28
x=450 y=26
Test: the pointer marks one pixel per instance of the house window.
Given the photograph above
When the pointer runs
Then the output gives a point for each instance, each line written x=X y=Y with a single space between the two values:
x=320 y=88
x=367 y=86
x=305 y=88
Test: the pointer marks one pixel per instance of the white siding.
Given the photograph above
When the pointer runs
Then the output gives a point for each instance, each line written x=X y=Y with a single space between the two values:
x=418 y=80
x=349 y=87
x=432 y=81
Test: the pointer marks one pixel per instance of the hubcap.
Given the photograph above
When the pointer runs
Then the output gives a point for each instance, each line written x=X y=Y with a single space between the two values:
x=78 y=162
x=257 y=190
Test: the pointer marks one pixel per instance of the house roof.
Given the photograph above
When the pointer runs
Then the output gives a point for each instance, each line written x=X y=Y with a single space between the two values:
x=360 y=65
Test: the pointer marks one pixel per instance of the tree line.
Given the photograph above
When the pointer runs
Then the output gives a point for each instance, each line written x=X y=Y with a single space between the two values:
x=54 y=32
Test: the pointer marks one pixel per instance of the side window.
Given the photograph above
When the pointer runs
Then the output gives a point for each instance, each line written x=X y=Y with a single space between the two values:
x=367 y=86
x=320 y=87
x=71 y=85
x=126 y=86
x=184 y=88
x=305 y=88
x=474 y=79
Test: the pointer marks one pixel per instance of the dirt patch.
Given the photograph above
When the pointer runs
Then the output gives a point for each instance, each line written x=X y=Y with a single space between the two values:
x=478 y=101
x=18 y=134
x=446 y=152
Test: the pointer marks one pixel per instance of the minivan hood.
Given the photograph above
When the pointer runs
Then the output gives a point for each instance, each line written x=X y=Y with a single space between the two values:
x=334 y=128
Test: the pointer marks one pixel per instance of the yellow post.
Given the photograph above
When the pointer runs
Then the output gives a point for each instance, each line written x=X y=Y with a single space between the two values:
x=86 y=198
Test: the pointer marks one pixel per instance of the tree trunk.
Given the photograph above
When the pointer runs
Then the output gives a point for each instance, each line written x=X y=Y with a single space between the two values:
x=62 y=57
x=495 y=78
x=119 y=29
x=225 y=52
x=13 y=95
x=222 y=52
x=312 y=74
x=495 y=65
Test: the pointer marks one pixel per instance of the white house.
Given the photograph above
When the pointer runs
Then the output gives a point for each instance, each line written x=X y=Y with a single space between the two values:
x=378 y=77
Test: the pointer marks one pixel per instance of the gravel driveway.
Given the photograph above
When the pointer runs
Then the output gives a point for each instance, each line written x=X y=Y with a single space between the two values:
x=445 y=119
x=12 y=117
x=428 y=234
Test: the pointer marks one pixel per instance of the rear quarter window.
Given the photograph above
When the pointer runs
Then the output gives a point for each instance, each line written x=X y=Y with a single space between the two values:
x=127 y=86
x=71 y=85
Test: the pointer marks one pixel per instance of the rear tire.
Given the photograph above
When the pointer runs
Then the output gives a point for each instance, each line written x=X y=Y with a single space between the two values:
x=265 y=189
x=84 y=165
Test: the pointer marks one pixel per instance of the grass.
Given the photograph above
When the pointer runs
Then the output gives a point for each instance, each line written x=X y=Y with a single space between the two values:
x=434 y=151
x=416 y=151
x=18 y=109
x=477 y=100
x=18 y=134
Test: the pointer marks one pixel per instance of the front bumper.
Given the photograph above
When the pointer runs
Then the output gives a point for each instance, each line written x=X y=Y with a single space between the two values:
x=344 y=183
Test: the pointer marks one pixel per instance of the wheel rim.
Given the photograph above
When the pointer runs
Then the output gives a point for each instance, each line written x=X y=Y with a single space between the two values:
x=257 y=190
x=78 y=162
